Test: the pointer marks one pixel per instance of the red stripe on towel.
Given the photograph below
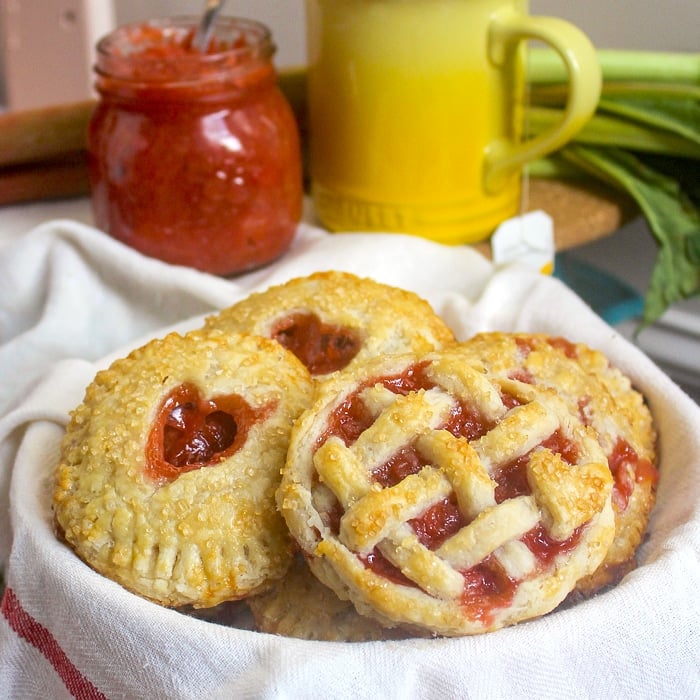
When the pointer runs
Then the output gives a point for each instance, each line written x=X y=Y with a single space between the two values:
x=26 y=627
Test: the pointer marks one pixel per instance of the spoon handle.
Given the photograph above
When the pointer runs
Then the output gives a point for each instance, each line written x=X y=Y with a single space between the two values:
x=206 y=25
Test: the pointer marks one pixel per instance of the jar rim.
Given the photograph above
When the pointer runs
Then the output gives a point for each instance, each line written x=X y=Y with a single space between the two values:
x=139 y=51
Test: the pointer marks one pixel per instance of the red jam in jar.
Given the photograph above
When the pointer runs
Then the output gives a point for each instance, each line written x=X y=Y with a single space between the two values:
x=194 y=155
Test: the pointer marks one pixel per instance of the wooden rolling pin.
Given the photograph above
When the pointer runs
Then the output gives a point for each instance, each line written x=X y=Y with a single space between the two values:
x=42 y=152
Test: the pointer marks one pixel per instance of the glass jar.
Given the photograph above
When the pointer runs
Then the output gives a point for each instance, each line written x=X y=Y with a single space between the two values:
x=194 y=156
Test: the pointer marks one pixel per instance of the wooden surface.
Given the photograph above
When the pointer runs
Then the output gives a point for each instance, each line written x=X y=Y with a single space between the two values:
x=582 y=213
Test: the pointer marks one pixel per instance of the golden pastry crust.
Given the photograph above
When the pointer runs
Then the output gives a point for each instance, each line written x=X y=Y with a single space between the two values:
x=169 y=467
x=602 y=397
x=336 y=320
x=432 y=495
x=300 y=606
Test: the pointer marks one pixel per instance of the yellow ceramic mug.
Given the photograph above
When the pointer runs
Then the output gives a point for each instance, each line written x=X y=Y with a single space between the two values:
x=416 y=109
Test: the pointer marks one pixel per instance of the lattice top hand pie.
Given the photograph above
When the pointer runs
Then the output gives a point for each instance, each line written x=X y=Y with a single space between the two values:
x=334 y=320
x=602 y=397
x=169 y=467
x=430 y=494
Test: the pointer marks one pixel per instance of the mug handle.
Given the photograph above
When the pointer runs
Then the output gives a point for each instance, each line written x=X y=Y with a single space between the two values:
x=585 y=81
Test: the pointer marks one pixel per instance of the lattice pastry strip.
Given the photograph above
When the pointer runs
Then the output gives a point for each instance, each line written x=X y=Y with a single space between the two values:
x=460 y=463
x=520 y=431
x=380 y=512
x=435 y=481
x=468 y=383
x=490 y=530
x=401 y=422
x=395 y=540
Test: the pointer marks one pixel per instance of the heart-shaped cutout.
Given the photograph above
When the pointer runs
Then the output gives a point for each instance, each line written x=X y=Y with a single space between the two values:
x=322 y=348
x=191 y=432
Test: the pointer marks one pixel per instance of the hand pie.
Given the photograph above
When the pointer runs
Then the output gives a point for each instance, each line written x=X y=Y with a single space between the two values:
x=334 y=320
x=300 y=606
x=602 y=397
x=431 y=494
x=169 y=467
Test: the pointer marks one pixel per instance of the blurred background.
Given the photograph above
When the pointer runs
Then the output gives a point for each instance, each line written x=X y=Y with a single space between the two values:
x=649 y=24
x=643 y=24
x=44 y=37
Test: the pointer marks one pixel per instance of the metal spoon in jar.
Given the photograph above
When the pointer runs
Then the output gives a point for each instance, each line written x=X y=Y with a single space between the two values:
x=206 y=24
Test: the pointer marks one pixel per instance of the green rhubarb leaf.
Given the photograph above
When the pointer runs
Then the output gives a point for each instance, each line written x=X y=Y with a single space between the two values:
x=557 y=94
x=544 y=66
x=681 y=116
x=693 y=249
x=685 y=170
x=671 y=216
x=615 y=130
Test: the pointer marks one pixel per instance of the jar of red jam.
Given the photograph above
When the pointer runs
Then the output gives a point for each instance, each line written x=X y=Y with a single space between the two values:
x=194 y=155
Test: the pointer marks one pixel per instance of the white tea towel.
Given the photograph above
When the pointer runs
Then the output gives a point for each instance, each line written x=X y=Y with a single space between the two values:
x=70 y=295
